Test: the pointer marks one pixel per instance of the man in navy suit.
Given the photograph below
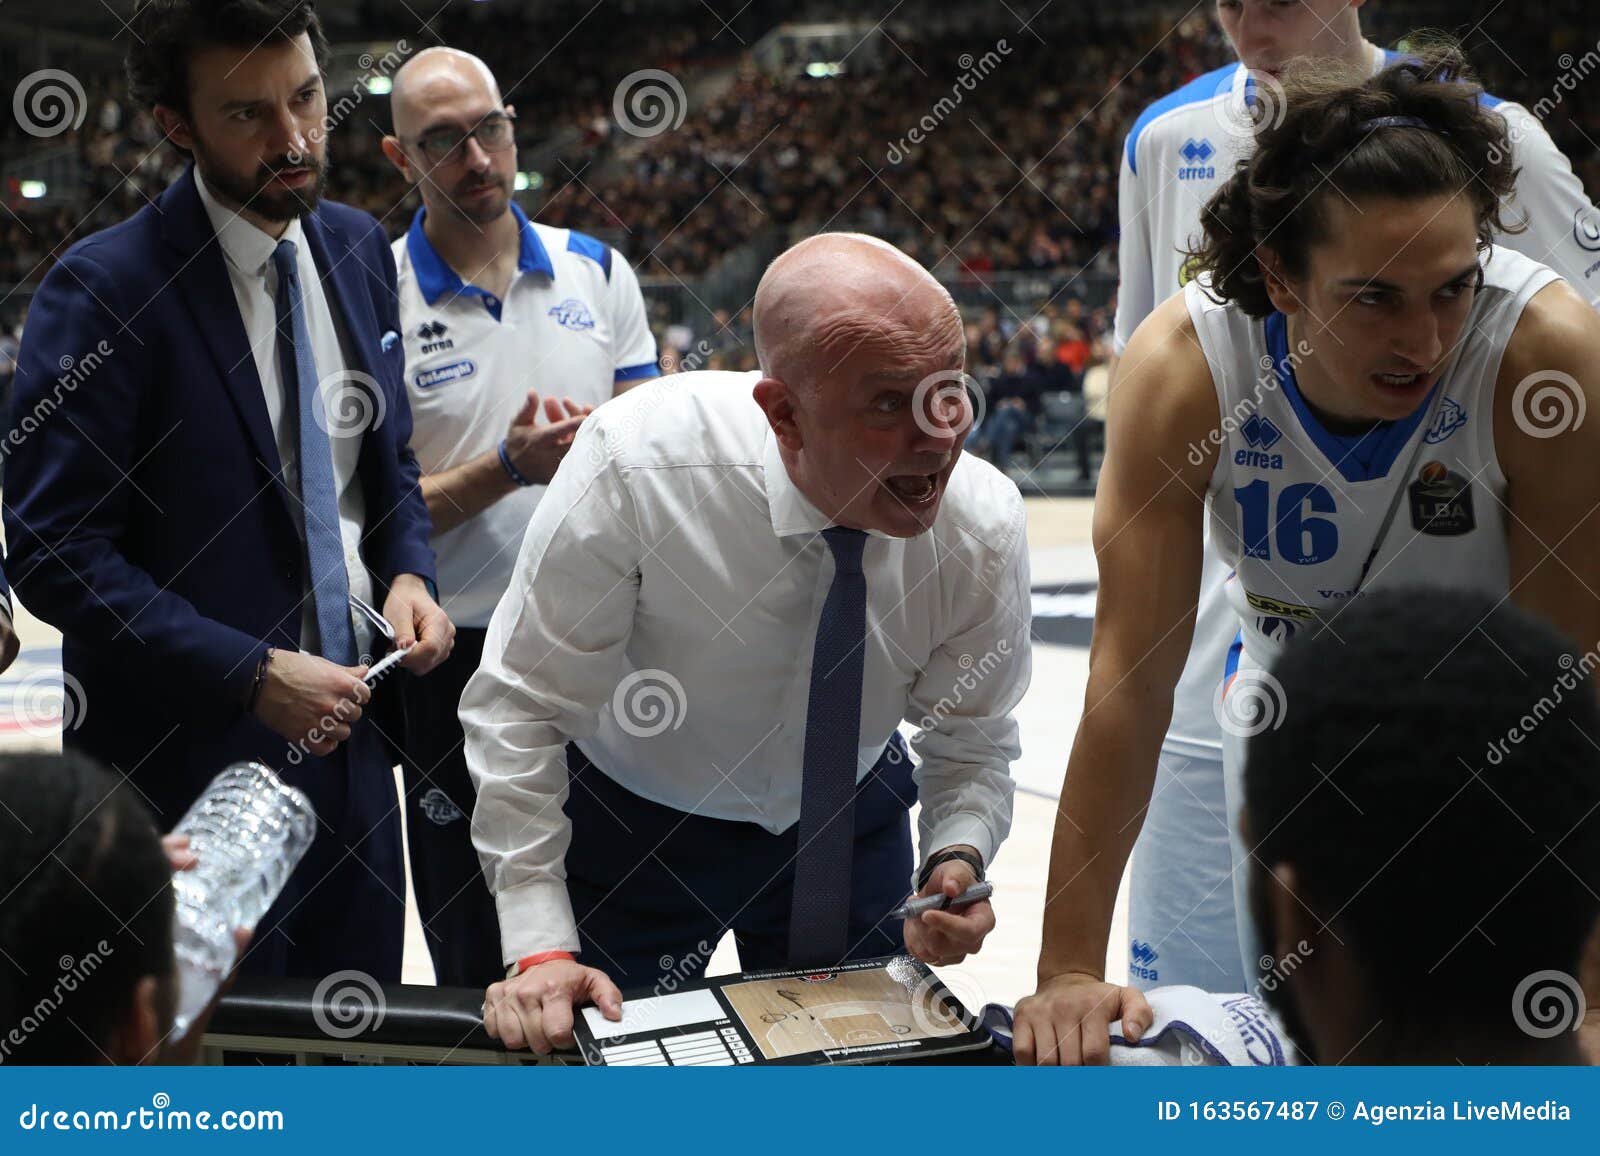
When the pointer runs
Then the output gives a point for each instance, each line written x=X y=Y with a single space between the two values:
x=224 y=464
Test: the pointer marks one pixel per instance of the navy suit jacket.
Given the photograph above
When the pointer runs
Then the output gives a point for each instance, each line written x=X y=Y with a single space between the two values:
x=145 y=506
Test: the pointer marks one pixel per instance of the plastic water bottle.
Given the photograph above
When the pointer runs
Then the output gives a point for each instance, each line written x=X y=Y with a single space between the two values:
x=247 y=831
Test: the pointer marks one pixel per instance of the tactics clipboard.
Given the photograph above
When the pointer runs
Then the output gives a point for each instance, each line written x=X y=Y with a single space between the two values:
x=867 y=1011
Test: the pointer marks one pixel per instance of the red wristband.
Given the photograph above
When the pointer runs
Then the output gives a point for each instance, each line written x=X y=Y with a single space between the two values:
x=537 y=958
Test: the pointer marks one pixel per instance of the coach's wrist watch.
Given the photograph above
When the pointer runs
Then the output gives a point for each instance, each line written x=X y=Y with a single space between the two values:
x=933 y=862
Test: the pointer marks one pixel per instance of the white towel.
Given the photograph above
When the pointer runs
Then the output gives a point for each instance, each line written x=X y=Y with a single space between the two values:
x=1194 y=1028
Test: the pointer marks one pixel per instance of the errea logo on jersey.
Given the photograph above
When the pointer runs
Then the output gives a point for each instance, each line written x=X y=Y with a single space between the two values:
x=1196 y=153
x=1262 y=435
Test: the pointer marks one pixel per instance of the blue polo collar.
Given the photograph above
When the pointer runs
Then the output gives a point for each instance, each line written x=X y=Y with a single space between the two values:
x=435 y=278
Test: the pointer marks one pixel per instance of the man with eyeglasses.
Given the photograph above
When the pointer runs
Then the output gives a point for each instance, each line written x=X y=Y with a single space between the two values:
x=513 y=332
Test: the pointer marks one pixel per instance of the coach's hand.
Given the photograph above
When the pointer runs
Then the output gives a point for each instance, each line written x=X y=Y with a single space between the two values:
x=417 y=619
x=536 y=450
x=1068 y=1020
x=534 y=1010
x=947 y=937
x=309 y=700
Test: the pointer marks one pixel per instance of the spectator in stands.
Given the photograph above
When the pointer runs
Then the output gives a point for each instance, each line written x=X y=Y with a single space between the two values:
x=1013 y=403
x=87 y=972
x=513 y=332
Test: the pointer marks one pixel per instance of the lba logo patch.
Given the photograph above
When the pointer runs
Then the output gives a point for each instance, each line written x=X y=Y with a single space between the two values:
x=573 y=314
x=1441 y=502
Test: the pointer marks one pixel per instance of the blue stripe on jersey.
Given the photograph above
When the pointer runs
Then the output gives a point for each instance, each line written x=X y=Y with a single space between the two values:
x=1361 y=457
x=1198 y=91
x=597 y=251
x=1230 y=666
x=635 y=372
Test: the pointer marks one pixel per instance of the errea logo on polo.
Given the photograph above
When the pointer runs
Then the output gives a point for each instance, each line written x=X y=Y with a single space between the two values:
x=572 y=314
x=1197 y=153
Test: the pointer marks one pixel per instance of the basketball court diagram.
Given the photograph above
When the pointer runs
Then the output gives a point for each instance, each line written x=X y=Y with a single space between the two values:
x=796 y=1015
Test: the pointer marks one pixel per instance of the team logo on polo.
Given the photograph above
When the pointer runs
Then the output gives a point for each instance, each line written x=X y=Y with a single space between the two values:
x=1452 y=416
x=1261 y=435
x=1441 y=502
x=573 y=314
x=1195 y=154
x=431 y=334
x=445 y=374
x=438 y=808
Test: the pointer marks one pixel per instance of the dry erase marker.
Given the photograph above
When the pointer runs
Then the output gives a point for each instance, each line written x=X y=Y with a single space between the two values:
x=977 y=893
x=381 y=667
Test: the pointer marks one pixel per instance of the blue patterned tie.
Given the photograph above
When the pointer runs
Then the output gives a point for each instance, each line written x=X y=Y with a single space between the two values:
x=330 y=581
x=819 y=920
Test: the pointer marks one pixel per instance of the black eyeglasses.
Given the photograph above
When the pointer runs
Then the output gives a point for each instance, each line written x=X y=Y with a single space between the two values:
x=493 y=134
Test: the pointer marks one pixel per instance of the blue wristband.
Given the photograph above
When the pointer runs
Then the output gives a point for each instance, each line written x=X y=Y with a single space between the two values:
x=511 y=470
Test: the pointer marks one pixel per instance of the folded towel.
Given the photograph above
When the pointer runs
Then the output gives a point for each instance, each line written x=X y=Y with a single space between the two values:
x=1195 y=1028
x=1192 y=1028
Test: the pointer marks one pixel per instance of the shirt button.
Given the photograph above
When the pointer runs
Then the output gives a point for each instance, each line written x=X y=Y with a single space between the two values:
x=490 y=302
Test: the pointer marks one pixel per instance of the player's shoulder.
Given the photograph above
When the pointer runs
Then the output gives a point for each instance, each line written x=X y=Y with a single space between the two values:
x=591 y=253
x=983 y=506
x=1178 y=107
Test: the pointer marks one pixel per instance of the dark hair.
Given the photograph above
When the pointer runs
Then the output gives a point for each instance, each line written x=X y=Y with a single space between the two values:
x=86 y=907
x=166 y=33
x=1321 y=133
x=1435 y=783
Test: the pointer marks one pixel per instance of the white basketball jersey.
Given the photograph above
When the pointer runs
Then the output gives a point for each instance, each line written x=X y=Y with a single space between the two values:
x=1179 y=153
x=1307 y=518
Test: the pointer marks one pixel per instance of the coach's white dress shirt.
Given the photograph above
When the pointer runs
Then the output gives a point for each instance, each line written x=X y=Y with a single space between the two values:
x=662 y=615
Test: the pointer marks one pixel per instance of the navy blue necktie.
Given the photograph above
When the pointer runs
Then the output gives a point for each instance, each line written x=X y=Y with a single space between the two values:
x=330 y=581
x=819 y=920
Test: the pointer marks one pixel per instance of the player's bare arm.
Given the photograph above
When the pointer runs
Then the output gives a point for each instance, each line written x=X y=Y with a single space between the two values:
x=1162 y=418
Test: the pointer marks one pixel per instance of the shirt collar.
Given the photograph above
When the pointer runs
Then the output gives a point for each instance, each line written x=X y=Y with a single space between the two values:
x=792 y=512
x=246 y=247
x=435 y=278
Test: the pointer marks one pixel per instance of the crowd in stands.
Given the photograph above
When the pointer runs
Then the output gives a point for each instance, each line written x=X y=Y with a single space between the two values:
x=1018 y=172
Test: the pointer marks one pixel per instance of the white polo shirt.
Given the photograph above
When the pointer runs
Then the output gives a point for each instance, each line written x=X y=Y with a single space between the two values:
x=572 y=325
